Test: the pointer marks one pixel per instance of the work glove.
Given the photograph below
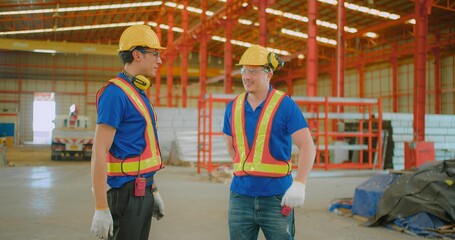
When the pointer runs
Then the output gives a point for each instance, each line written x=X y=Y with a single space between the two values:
x=158 y=206
x=294 y=196
x=102 y=224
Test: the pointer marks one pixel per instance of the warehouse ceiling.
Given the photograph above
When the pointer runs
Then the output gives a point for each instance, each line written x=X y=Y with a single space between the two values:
x=370 y=24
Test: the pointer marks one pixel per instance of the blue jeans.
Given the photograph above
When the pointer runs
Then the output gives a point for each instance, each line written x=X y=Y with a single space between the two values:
x=249 y=214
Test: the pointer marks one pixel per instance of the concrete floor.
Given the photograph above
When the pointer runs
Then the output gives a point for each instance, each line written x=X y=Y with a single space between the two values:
x=55 y=202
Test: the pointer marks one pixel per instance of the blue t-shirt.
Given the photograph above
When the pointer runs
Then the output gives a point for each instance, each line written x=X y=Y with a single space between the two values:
x=288 y=119
x=116 y=110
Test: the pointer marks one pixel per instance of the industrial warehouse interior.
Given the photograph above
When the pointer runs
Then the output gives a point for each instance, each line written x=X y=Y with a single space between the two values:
x=374 y=80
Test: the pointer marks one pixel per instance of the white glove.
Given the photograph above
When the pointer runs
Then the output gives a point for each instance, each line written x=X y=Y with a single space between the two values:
x=294 y=196
x=158 y=206
x=102 y=224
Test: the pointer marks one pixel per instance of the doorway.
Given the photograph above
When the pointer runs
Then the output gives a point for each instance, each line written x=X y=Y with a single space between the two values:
x=43 y=117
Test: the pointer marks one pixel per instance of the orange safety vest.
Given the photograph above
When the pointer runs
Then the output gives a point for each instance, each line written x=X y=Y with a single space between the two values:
x=150 y=158
x=258 y=161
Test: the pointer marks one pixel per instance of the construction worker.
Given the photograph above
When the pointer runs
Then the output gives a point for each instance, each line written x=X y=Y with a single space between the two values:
x=126 y=152
x=259 y=127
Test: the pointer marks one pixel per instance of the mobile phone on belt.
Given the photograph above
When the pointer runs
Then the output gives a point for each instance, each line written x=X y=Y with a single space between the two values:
x=139 y=187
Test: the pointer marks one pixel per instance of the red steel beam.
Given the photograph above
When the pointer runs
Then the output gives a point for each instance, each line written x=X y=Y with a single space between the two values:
x=445 y=4
x=235 y=9
x=381 y=26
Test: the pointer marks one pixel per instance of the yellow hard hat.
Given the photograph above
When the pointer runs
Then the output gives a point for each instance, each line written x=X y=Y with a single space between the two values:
x=259 y=56
x=139 y=36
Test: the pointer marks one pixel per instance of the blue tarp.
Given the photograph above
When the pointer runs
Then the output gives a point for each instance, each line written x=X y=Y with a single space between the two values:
x=367 y=194
x=422 y=203
x=421 y=223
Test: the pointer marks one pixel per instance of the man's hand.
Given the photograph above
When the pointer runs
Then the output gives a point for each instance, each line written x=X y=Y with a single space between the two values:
x=158 y=206
x=102 y=224
x=294 y=196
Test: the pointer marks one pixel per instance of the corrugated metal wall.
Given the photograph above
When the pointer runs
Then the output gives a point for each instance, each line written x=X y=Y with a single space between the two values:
x=378 y=83
x=75 y=79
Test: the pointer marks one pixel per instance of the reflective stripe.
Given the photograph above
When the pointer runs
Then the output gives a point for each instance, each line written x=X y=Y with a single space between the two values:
x=267 y=168
x=259 y=161
x=262 y=133
x=150 y=159
x=131 y=168
x=240 y=140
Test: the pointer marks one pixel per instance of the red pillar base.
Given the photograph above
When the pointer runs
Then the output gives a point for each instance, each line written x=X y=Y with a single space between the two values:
x=417 y=153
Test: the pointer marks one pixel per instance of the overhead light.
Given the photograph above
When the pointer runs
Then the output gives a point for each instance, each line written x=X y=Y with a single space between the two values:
x=171 y=4
x=62 y=29
x=294 y=33
x=245 y=22
x=247 y=45
x=331 y=2
x=83 y=8
x=371 y=35
x=326 y=40
x=219 y=39
x=411 y=21
x=295 y=17
x=273 y=11
x=26 y=31
x=304 y=35
x=300 y=56
x=44 y=51
x=301 y=18
x=367 y=10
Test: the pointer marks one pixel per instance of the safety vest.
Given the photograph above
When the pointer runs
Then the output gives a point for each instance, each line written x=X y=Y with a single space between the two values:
x=258 y=161
x=150 y=158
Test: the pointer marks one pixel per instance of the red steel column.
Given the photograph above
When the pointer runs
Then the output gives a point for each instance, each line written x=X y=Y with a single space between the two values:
x=54 y=78
x=158 y=74
x=170 y=39
x=184 y=55
x=360 y=69
x=86 y=79
x=437 y=80
x=421 y=30
x=262 y=23
x=394 y=62
x=312 y=49
x=340 y=49
x=203 y=51
x=333 y=77
x=228 y=53
x=288 y=81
